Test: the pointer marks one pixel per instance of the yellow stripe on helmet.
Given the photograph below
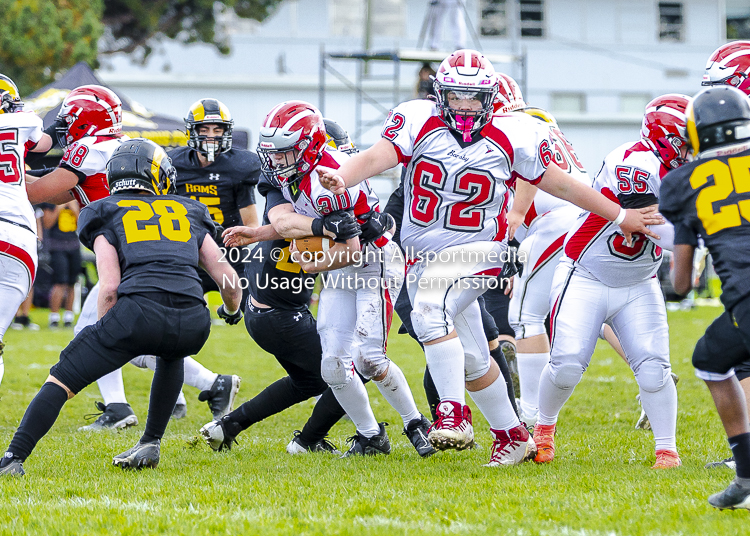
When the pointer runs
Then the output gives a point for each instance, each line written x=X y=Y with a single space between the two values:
x=156 y=169
x=224 y=111
x=198 y=111
x=695 y=141
x=544 y=115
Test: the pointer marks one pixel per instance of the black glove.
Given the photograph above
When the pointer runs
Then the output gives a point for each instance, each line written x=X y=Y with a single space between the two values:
x=229 y=319
x=343 y=224
x=514 y=265
x=375 y=225
x=51 y=130
x=218 y=231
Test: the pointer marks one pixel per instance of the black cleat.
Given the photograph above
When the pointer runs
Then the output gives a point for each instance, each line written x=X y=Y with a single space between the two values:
x=221 y=433
x=112 y=416
x=735 y=496
x=221 y=396
x=417 y=431
x=363 y=446
x=11 y=466
x=729 y=462
x=140 y=456
x=297 y=446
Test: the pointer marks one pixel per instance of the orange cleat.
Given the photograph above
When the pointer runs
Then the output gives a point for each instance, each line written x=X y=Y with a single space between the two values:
x=666 y=459
x=544 y=437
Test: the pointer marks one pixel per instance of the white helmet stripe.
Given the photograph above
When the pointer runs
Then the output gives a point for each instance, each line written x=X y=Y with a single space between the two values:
x=100 y=102
x=294 y=119
x=272 y=114
x=671 y=111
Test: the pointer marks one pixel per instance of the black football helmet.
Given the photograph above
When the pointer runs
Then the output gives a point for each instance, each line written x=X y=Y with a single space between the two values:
x=140 y=164
x=10 y=100
x=338 y=138
x=717 y=116
x=209 y=112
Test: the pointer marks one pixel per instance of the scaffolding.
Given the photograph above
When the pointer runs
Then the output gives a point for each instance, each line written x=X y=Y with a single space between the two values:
x=363 y=98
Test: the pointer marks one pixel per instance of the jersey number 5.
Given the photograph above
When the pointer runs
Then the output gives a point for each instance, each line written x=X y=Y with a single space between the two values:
x=172 y=222
x=10 y=168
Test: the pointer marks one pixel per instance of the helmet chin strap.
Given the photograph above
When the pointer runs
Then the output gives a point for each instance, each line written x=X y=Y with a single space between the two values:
x=465 y=124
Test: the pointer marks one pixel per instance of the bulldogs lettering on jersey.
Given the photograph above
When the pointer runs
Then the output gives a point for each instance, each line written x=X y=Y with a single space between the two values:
x=87 y=158
x=454 y=192
x=596 y=244
x=18 y=133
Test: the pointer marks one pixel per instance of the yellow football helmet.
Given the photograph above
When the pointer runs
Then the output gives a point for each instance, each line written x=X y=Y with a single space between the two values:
x=10 y=100
x=542 y=115
x=205 y=112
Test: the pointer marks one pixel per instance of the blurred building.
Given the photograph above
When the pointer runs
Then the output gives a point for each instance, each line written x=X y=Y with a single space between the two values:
x=593 y=63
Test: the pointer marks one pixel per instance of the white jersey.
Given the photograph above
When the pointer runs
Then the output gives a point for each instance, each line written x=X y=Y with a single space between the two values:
x=19 y=132
x=88 y=158
x=596 y=244
x=455 y=193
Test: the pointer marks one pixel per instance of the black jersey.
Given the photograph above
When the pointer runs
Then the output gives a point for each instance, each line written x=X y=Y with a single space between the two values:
x=710 y=198
x=157 y=239
x=224 y=186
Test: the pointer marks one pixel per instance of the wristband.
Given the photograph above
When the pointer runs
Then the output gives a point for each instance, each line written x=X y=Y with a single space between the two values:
x=230 y=313
x=317 y=227
x=620 y=217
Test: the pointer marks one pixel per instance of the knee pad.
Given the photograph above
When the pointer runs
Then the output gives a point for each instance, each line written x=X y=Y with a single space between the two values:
x=652 y=376
x=336 y=371
x=370 y=365
x=142 y=361
x=430 y=322
x=529 y=328
x=566 y=376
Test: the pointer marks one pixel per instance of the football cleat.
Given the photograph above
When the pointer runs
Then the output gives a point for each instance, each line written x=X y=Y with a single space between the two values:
x=643 y=423
x=140 y=456
x=735 y=496
x=509 y=351
x=364 y=446
x=511 y=447
x=113 y=416
x=544 y=437
x=417 y=431
x=179 y=411
x=297 y=446
x=221 y=396
x=220 y=434
x=453 y=428
x=729 y=462
x=666 y=459
x=11 y=466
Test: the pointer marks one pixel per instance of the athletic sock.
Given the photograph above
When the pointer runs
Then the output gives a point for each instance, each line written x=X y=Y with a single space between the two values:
x=112 y=388
x=446 y=362
x=352 y=396
x=551 y=398
x=495 y=405
x=197 y=375
x=165 y=388
x=433 y=398
x=181 y=399
x=661 y=408
x=38 y=419
x=326 y=413
x=395 y=389
x=499 y=356
x=740 y=445
x=275 y=398
x=530 y=367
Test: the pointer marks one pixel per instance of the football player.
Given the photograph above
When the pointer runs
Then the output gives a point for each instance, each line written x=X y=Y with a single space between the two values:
x=150 y=299
x=458 y=160
x=19 y=132
x=355 y=308
x=708 y=197
x=601 y=279
x=730 y=65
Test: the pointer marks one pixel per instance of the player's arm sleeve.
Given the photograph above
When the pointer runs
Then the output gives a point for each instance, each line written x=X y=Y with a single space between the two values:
x=401 y=127
x=532 y=151
x=92 y=223
x=273 y=195
x=246 y=190
x=206 y=225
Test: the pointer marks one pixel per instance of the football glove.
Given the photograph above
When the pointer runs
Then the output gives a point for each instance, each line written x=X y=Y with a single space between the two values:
x=375 y=225
x=343 y=224
x=218 y=231
x=513 y=266
x=229 y=319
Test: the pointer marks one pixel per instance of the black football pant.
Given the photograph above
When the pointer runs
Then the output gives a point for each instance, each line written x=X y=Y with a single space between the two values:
x=161 y=324
x=726 y=343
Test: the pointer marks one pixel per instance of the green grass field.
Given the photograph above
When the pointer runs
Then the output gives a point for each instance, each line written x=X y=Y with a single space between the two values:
x=599 y=484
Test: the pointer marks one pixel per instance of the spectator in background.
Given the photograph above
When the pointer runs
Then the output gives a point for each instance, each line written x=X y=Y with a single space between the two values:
x=454 y=9
x=60 y=223
x=425 y=84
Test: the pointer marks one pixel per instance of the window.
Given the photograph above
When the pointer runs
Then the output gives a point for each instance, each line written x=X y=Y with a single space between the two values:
x=348 y=17
x=634 y=103
x=738 y=19
x=493 y=15
x=532 y=18
x=671 y=24
x=568 y=103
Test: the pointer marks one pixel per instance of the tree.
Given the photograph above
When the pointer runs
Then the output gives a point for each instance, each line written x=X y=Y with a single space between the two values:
x=41 y=38
x=133 y=24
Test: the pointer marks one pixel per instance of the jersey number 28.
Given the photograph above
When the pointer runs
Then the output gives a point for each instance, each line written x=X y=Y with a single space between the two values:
x=172 y=223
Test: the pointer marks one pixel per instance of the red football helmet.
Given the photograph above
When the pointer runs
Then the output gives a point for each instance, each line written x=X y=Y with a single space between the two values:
x=664 y=128
x=291 y=141
x=509 y=97
x=89 y=111
x=465 y=78
x=729 y=65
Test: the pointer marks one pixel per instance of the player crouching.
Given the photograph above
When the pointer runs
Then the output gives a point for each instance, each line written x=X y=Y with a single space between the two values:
x=150 y=302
